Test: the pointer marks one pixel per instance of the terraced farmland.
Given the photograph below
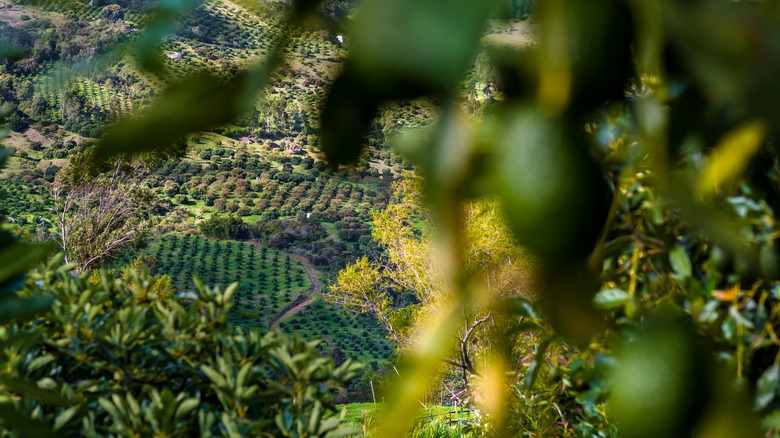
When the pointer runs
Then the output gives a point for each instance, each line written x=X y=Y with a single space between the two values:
x=275 y=288
x=56 y=80
x=269 y=279
x=84 y=10
x=358 y=336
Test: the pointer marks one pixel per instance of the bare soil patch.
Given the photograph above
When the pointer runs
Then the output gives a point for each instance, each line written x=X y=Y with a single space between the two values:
x=45 y=164
x=14 y=139
x=12 y=14
x=33 y=135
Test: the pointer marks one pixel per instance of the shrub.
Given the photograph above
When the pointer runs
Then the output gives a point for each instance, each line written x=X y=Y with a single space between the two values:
x=18 y=122
x=224 y=227
x=112 y=13
x=111 y=358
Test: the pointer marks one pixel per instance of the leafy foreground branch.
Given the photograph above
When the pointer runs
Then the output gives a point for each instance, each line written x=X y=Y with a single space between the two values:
x=112 y=359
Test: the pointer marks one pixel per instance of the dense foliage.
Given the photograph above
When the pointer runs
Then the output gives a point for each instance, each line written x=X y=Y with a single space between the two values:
x=224 y=227
x=406 y=289
x=112 y=358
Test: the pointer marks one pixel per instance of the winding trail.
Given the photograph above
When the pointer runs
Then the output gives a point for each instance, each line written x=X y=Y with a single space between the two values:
x=301 y=300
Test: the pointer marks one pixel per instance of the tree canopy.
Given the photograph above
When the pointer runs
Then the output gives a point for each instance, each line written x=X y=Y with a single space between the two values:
x=113 y=356
x=406 y=288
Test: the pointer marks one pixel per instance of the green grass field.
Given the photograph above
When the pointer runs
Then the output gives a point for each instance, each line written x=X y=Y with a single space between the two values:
x=366 y=416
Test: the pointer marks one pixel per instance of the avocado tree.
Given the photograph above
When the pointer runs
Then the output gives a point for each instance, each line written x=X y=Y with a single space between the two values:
x=114 y=356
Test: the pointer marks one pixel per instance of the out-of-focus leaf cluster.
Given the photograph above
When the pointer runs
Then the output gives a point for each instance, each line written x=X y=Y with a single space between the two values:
x=112 y=358
x=633 y=151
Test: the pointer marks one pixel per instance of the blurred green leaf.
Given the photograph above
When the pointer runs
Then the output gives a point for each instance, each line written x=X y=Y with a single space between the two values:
x=22 y=423
x=406 y=47
x=552 y=191
x=661 y=386
x=347 y=113
x=38 y=362
x=680 y=261
x=731 y=156
x=17 y=258
x=731 y=49
x=31 y=389
x=766 y=387
x=610 y=298
x=18 y=308
x=20 y=338
x=772 y=420
x=11 y=53
x=65 y=416
x=585 y=49
x=769 y=261
x=567 y=293
x=196 y=103
x=186 y=407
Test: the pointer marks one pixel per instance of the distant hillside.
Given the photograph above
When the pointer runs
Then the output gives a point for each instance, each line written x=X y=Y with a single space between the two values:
x=80 y=73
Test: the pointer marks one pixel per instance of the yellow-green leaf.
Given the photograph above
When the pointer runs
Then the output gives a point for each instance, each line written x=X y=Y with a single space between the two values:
x=731 y=156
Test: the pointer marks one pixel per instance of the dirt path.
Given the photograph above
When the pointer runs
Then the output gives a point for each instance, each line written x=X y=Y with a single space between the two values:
x=313 y=274
x=280 y=318
x=308 y=298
